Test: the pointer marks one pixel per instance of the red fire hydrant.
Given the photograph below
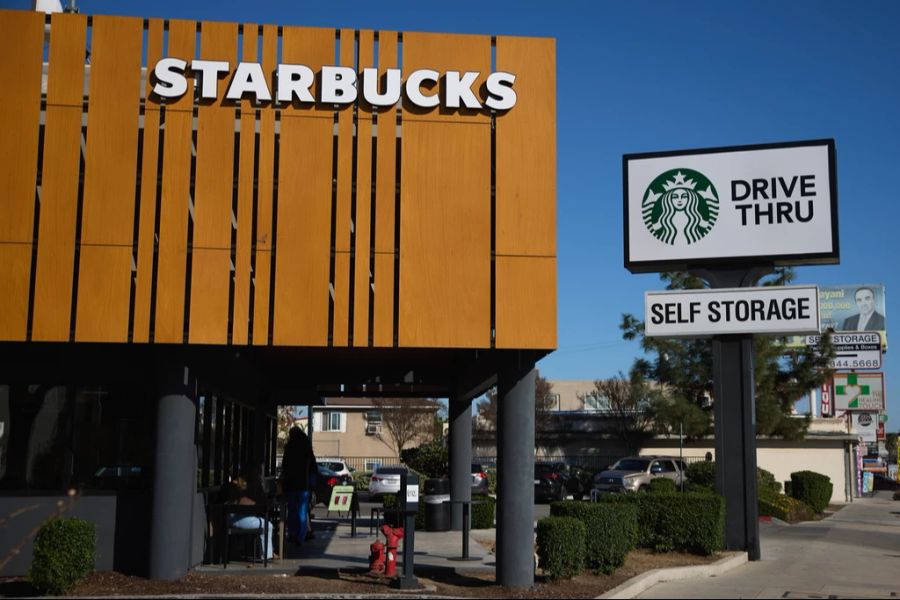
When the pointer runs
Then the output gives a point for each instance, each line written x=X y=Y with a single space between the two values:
x=393 y=535
x=376 y=558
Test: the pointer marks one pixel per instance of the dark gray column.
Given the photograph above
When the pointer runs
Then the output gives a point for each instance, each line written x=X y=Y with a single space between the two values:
x=460 y=457
x=735 y=426
x=174 y=476
x=515 y=476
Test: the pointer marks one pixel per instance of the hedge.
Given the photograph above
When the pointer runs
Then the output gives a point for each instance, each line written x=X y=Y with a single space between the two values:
x=662 y=485
x=813 y=488
x=784 y=508
x=361 y=481
x=63 y=554
x=611 y=531
x=702 y=473
x=483 y=514
x=561 y=546
x=691 y=522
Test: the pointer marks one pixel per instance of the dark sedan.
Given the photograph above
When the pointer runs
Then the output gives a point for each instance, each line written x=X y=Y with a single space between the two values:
x=549 y=483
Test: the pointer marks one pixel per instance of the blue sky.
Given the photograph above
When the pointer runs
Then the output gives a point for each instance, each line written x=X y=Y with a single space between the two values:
x=648 y=76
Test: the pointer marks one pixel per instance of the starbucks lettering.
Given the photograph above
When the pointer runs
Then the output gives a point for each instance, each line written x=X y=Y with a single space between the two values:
x=773 y=204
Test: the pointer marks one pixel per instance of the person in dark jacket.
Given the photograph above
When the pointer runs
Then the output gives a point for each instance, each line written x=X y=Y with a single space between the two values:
x=298 y=473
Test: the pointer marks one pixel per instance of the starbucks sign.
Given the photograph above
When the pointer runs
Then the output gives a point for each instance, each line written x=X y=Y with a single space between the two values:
x=771 y=204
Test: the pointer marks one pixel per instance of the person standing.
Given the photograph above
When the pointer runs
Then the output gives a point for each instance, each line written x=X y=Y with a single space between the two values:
x=298 y=472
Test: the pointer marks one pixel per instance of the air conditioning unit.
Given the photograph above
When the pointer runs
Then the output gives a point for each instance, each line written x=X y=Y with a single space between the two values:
x=371 y=429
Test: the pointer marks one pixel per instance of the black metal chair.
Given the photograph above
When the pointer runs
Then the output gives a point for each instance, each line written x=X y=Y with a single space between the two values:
x=232 y=512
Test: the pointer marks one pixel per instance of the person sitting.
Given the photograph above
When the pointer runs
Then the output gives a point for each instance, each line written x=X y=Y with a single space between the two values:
x=249 y=491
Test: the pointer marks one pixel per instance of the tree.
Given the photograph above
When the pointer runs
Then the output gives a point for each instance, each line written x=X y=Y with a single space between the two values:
x=685 y=366
x=406 y=421
x=629 y=403
x=544 y=403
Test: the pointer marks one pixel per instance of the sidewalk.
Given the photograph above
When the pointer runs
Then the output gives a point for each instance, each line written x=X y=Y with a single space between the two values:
x=854 y=553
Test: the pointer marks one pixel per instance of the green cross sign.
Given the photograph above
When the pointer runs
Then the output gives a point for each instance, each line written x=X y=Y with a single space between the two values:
x=852 y=382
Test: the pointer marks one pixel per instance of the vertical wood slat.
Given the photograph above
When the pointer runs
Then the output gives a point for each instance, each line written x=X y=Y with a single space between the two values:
x=244 y=240
x=104 y=278
x=526 y=198
x=59 y=186
x=149 y=170
x=363 y=217
x=214 y=189
x=385 y=205
x=173 y=218
x=343 y=218
x=21 y=45
x=262 y=276
x=445 y=213
x=303 y=244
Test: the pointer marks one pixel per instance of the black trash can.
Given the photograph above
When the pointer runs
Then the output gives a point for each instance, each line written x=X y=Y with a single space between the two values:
x=437 y=507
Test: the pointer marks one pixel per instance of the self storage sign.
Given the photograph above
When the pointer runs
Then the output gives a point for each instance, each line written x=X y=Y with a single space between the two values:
x=788 y=310
x=769 y=204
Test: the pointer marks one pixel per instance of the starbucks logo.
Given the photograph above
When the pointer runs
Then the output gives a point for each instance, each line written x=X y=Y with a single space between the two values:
x=680 y=207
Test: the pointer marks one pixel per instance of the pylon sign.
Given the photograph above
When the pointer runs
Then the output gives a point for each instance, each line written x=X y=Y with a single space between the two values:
x=859 y=391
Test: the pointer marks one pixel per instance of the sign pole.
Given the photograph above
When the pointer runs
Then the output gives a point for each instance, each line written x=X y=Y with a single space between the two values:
x=735 y=421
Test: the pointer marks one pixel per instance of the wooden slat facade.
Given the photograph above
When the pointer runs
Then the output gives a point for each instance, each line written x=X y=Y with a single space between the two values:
x=242 y=222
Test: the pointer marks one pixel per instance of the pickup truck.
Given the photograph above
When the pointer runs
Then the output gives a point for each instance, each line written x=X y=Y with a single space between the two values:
x=634 y=473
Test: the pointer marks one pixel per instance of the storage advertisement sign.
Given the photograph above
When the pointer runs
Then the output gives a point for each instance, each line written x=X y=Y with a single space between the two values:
x=762 y=204
x=857 y=307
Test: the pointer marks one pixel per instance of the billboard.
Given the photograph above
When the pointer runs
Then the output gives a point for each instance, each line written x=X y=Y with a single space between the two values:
x=856 y=307
x=764 y=204
x=859 y=392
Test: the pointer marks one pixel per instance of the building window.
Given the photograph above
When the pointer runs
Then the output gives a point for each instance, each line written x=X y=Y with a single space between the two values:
x=373 y=417
x=333 y=421
x=596 y=402
x=371 y=463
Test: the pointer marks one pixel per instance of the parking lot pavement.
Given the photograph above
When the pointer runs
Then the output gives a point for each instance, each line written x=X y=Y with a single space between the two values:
x=853 y=553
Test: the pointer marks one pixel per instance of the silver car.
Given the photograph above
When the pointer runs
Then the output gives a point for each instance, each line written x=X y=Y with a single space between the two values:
x=386 y=479
x=634 y=473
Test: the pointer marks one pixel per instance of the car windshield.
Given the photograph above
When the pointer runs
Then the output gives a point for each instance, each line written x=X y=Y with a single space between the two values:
x=631 y=464
x=334 y=466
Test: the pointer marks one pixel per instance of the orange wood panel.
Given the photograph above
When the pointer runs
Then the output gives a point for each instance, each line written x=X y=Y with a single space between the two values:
x=109 y=179
x=343 y=218
x=304 y=229
x=313 y=47
x=445 y=236
x=385 y=205
x=103 y=306
x=147 y=218
x=56 y=238
x=21 y=45
x=526 y=302
x=526 y=150
x=173 y=218
x=59 y=191
x=363 y=217
x=213 y=193
x=262 y=276
x=244 y=241
x=444 y=52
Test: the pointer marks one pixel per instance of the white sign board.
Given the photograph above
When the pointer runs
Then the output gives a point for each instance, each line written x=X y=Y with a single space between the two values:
x=702 y=313
x=762 y=204
x=853 y=350
x=412 y=494
x=859 y=391
x=865 y=425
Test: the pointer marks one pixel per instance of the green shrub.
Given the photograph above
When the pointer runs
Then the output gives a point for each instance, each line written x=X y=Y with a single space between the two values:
x=492 y=480
x=691 y=522
x=392 y=518
x=784 y=508
x=63 y=554
x=694 y=488
x=611 y=531
x=561 y=546
x=662 y=485
x=765 y=483
x=813 y=488
x=430 y=460
x=787 y=489
x=361 y=480
x=702 y=473
x=483 y=514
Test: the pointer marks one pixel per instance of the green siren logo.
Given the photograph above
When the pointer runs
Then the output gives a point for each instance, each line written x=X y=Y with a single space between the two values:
x=680 y=206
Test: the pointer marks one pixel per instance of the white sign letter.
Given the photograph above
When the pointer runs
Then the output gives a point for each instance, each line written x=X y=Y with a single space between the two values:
x=249 y=77
x=170 y=79
x=209 y=81
x=338 y=85
x=499 y=88
x=460 y=88
x=370 y=87
x=295 y=80
x=414 y=93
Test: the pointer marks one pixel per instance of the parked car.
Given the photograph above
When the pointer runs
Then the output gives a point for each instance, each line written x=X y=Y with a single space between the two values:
x=479 y=479
x=386 y=480
x=885 y=483
x=634 y=473
x=325 y=483
x=338 y=465
x=549 y=482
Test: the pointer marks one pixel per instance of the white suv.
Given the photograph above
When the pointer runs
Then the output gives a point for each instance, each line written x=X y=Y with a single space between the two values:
x=335 y=464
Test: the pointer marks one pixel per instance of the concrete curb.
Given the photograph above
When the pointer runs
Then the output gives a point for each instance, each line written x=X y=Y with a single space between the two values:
x=644 y=581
